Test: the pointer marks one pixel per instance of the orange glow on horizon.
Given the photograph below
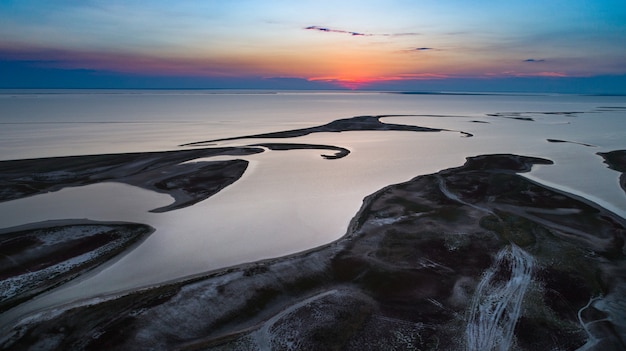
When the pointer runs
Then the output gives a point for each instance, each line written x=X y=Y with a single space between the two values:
x=349 y=83
x=354 y=83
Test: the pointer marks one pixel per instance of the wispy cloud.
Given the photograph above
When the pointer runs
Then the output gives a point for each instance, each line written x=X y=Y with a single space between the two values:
x=124 y=62
x=534 y=60
x=357 y=34
x=329 y=30
x=422 y=49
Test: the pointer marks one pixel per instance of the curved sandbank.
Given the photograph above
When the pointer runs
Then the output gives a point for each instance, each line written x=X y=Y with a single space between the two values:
x=40 y=256
x=470 y=257
x=340 y=152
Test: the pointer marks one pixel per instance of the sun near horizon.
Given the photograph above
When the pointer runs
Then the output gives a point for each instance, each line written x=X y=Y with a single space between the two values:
x=315 y=44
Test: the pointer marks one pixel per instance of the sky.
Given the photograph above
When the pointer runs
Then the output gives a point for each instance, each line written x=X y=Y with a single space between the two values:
x=528 y=45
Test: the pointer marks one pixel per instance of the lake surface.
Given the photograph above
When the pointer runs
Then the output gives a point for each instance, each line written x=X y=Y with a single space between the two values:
x=287 y=201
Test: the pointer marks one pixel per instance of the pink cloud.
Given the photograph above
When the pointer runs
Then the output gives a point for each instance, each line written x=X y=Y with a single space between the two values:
x=125 y=63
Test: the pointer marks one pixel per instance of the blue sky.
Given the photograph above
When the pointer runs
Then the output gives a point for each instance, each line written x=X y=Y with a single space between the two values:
x=399 y=44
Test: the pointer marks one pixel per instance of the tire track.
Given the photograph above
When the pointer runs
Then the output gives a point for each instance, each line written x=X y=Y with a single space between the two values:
x=497 y=302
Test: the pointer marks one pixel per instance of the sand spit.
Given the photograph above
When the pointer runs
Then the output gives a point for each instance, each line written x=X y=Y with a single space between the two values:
x=358 y=123
x=423 y=266
x=164 y=172
x=40 y=256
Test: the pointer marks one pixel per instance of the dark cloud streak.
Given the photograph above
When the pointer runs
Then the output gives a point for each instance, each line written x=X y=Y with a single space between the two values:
x=356 y=34
x=534 y=60
x=329 y=30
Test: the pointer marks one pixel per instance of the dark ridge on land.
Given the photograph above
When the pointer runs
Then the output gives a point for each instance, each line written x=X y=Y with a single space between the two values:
x=570 y=142
x=164 y=172
x=340 y=151
x=616 y=160
x=40 y=256
x=475 y=257
x=358 y=123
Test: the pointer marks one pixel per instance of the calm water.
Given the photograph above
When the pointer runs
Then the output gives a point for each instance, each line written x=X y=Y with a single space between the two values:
x=287 y=201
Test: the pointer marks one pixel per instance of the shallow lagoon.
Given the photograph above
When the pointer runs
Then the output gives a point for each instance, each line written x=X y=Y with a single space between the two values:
x=287 y=201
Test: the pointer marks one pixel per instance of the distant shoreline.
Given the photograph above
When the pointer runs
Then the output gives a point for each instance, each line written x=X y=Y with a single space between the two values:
x=269 y=91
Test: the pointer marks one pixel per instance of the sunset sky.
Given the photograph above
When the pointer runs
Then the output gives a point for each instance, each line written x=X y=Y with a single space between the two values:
x=403 y=44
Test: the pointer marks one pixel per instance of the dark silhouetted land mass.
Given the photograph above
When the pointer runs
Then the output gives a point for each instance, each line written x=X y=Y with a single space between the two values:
x=358 y=123
x=170 y=172
x=163 y=172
